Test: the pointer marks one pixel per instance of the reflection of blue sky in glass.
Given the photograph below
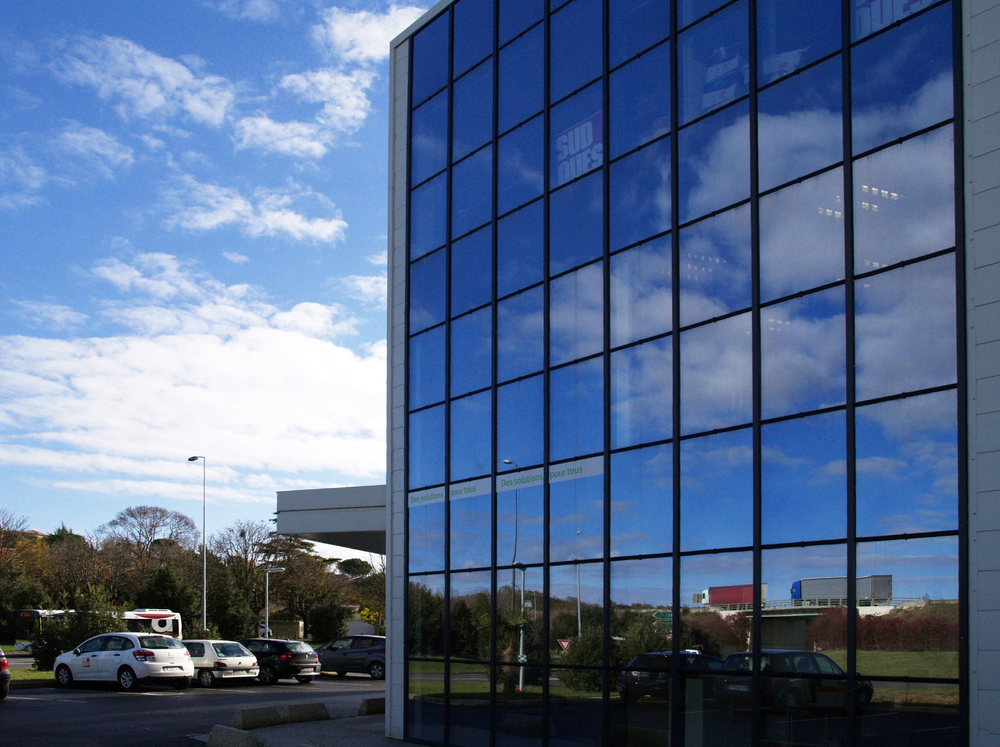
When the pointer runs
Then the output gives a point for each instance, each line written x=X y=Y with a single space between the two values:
x=647 y=582
x=576 y=314
x=562 y=582
x=803 y=354
x=519 y=249
x=520 y=508
x=519 y=335
x=471 y=191
x=576 y=409
x=715 y=266
x=701 y=572
x=472 y=114
x=426 y=538
x=430 y=67
x=428 y=215
x=471 y=352
x=642 y=501
x=576 y=223
x=428 y=141
x=712 y=58
x=641 y=292
x=715 y=375
x=640 y=97
x=576 y=31
x=642 y=393
x=918 y=566
x=521 y=77
x=473 y=33
x=471 y=271
x=803 y=479
x=426 y=452
x=714 y=162
x=640 y=194
x=427 y=291
x=717 y=491
x=471 y=445
x=520 y=418
x=779 y=568
x=791 y=34
x=576 y=519
x=634 y=26
x=908 y=465
x=427 y=368
x=470 y=533
x=520 y=165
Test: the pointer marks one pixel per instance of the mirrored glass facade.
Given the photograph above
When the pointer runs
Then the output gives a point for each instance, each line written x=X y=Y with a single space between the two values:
x=683 y=289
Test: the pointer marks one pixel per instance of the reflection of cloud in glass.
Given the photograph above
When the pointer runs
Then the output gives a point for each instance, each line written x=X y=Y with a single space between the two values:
x=641 y=292
x=918 y=566
x=715 y=266
x=644 y=582
x=797 y=143
x=715 y=375
x=700 y=572
x=426 y=538
x=641 y=501
x=714 y=165
x=717 y=481
x=576 y=519
x=520 y=321
x=576 y=316
x=641 y=394
x=781 y=567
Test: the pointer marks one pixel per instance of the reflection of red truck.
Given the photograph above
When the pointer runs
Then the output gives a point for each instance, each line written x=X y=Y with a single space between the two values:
x=738 y=594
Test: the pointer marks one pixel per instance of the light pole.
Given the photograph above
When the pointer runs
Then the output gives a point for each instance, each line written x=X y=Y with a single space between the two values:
x=267 y=599
x=204 y=538
x=579 y=620
x=520 y=653
x=513 y=557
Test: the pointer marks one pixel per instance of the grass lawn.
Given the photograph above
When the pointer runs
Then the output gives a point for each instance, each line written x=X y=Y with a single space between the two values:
x=30 y=678
x=942 y=664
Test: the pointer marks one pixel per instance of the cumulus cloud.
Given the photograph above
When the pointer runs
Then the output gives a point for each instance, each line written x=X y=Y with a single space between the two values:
x=201 y=207
x=51 y=314
x=236 y=258
x=362 y=36
x=248 y=10
x=100 y=151
x=369 y=289
x=20 y=179
x=143 y=84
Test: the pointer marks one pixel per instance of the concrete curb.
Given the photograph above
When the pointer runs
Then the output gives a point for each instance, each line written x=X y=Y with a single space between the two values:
x=256 y=718
x=371 y=706
x=225 y=736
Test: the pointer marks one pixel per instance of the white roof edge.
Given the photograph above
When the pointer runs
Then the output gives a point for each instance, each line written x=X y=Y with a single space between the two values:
x=419 y=23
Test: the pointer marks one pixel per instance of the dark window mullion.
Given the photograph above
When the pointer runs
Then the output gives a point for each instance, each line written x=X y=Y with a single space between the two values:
x=606 y=289
x=494 y=395
x=546 y=386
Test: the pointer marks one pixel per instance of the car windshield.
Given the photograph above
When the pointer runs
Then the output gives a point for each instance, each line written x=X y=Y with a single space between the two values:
x=297 y=647
x=230 y=649
x=159 y=641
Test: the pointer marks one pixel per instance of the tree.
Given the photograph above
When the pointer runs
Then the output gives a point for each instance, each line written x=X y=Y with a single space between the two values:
x=355 y=567
x=229 y=610
x=142 y=529
x=369 y=592
x=306 y=581
x=168 y=589
x=12 y=527
x=244 y=548
x=94 y=615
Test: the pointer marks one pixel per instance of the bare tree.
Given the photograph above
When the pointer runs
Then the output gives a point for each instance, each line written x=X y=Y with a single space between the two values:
x=143 y=527
x=244 y=547
x=11 y=528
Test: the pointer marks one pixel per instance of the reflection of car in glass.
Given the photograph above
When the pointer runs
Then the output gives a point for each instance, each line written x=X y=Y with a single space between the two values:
x=130 y=659
x=354 y=653
x=4 y=676
x=221 y=660
x=279 y=659
x=789 y=680
x=649 y=674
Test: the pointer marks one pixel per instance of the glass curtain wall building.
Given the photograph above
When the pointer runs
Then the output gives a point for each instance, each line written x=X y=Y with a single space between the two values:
x=678 y=366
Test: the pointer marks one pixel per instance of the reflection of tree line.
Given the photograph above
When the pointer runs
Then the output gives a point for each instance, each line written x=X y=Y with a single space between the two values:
x=932 y=627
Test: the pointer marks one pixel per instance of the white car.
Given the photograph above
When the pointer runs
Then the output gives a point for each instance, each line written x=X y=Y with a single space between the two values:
x=130 y=659
x=221 y=660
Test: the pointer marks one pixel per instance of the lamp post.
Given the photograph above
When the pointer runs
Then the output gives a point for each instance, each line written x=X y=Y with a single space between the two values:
x=579 y=620
x=267 y=599
x=520 y=653
x=513 y=557
x=204 y=538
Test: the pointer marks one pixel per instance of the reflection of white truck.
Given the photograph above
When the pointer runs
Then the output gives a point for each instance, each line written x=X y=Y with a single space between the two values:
x=870 y=589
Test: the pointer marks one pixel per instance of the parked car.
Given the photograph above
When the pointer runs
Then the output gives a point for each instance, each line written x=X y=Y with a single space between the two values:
x=4 y=676
x=649 y=674
x=281 y=659
x=821 y=682
x=354 y=653
x=130 y=659
x=221 y=660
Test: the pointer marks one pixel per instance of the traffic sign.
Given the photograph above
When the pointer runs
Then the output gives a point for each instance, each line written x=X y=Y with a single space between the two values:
x=564 y=643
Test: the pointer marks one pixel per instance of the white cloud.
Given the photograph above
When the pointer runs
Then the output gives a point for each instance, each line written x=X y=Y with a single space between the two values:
x=370 y=289
x=362 y=36
x=198 y=206
x=236 y=258
x=144 y=84
x=96 y=148
x=382 y=259
x=250 y=10
x=20 y=179
x=301 y=139
x=51 y=314
x=345 y=103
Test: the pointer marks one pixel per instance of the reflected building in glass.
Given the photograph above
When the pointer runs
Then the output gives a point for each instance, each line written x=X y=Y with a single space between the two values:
x=692 y=355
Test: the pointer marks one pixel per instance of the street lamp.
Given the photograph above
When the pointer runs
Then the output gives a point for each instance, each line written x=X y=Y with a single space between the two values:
x=204 y=538
x=267 y=599
x=520 y=653
x=579 y=620
x=513 y=557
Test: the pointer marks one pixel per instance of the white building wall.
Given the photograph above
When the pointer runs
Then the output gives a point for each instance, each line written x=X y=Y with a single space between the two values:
x=981 y=90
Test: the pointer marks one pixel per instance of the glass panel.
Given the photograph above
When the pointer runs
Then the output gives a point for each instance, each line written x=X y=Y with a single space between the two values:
x=576 y=410
x=800 y=125
x=869 y=16
x=521 y=77
x=813 y=579
x=714 y=165
x=471 y=445
x=907 y=464
x=519 y=629
x=717 y=480
x=425 y=617
x=640 y=194
x=803 y=479
x=520 y=348
x=471 y=352
x=426 y=534
x=430 y=58
x=473 y=33
x=429 y=146
x=472 y=191
x=635 y=25
x=905 y=329
x=716 y=379
x=472 y=117
x=471 y=271
x=576 y=223
x=577 y=128
x=427 y=291
x=520 y=415
x=900 y=712
x=520 y=518
x=642 y=401
x=521 y=165
x=425 y=716
x=642 y=501
x=806 y=693
x=576 y=314
x=575 y=41
x=428 y=214
x=908 y=606
x=803 y=354
x=904 y=201
x=517 y=15
x=520 y=722
x=641 y=291
x=574 y=705
x=812 y=214
x=640 y=98
x=426 y=447
x=576 y=523
x=426 y=368
x=471 y=542
x=692 y=10
x=791 y=34
x=469 y=605
x=576 y=604
x=717 y=601
x=519 y=249
x=469 y=708
x=715 y=266
x=901 y=81
x=713 y=59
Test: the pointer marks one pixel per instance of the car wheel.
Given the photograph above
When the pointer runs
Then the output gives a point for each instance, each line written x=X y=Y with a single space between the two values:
x=791 y=700
x=864 y=697
x=376 y=670
x=127 y=680
x=182 y=684
x=64 y=677
x=206 y=678
x=304 y=678
x=4 y=690
x=267 y=676
x=341 y=674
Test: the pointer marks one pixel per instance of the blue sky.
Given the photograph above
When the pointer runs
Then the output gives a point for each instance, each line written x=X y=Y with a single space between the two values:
x=192 y=253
